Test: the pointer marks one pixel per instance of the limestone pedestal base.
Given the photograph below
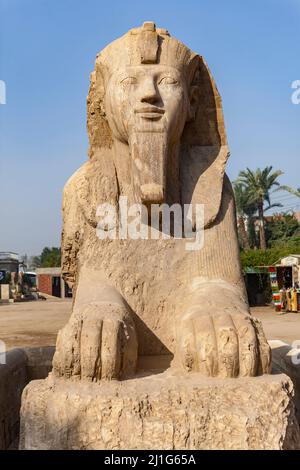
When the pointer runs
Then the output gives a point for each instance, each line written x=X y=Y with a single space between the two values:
x=162 y=411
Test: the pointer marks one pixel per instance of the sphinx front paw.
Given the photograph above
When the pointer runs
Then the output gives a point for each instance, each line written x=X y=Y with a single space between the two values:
x=99 y=342
x=222 y=344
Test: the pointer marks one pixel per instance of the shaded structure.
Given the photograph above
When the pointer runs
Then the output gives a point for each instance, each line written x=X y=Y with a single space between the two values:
x=51 y=282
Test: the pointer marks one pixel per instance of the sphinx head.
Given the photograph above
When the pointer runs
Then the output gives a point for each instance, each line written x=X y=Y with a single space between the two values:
x=150 y=92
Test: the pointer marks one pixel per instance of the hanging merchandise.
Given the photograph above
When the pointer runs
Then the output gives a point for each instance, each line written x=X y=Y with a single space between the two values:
x=289 y=300
x=294 y=301
x=276 y=295
x=283 y=299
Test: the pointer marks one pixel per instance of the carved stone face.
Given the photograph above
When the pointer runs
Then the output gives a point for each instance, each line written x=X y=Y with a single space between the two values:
x=147 y=107
x=147 y=98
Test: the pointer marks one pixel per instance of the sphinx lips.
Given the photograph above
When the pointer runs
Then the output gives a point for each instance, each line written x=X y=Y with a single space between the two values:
x=150 y=112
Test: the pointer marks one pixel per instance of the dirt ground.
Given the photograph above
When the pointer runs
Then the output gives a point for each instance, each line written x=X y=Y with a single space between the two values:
x=283 y=326
x=31 y=324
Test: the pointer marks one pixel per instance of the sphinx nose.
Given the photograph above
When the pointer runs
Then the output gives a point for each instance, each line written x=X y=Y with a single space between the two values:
x=149 y=92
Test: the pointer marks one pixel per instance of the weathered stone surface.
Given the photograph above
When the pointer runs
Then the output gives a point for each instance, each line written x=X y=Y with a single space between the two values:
x=160 y=412
x=22 y=365
x=39 y=362
x=157 y=136
x=4 y=292
x=156 y=132
x=286 y=359
x=13 y=378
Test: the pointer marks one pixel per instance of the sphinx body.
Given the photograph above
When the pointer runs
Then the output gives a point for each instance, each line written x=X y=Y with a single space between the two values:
x=156 y=136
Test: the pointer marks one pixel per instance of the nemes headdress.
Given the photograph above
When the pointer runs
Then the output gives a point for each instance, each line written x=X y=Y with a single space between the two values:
x=145 y=45
x=204 y=139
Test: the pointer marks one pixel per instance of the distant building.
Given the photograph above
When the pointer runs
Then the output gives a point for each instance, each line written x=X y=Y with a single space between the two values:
x=276 y=217
x=285 y=272
x=9 y=262
x=280 y=216
x=50 y=281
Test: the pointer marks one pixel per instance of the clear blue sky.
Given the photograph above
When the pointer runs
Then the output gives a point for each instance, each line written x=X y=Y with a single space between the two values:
x=48 y=48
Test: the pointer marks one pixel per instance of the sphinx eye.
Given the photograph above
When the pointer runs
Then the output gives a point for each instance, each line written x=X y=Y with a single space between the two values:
x=167 y=81
x=128 y=81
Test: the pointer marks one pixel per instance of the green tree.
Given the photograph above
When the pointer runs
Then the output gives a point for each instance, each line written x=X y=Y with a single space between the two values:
x=270 y=256
x=295 y=192
x=282 y=228
x=50 y=257
x=245 y=212
x=259 y=184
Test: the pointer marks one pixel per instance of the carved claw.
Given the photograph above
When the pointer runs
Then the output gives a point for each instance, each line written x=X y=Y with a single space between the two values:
x=98 y=343
x=223 y=344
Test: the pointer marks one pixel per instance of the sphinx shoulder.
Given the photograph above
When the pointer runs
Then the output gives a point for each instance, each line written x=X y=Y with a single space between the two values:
x=90 y=185
x=76 y=183
x=74 y=193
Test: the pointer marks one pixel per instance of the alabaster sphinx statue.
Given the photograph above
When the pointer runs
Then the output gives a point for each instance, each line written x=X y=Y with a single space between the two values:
x=157 y=136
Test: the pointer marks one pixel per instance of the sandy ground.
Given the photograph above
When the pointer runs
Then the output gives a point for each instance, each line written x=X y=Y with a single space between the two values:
x=36 y=323
x=283 y=326
x=31 y=324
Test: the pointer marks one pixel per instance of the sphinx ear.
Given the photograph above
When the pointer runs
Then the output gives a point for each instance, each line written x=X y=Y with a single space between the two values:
x=194 y=96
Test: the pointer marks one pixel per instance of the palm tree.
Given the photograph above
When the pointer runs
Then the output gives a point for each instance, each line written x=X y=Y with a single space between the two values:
x=258 y=185
x=295 y=192
x=245 y=211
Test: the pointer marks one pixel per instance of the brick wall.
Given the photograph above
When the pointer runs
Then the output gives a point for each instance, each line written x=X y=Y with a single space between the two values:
x=45 y=283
